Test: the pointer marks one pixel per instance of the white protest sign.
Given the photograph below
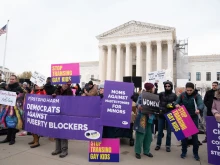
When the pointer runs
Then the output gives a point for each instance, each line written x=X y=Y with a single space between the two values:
x=38 y=78
x=157 y=76
x=8 y=98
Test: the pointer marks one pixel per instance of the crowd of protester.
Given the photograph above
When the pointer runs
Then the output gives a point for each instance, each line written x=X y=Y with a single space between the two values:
x=144 y=124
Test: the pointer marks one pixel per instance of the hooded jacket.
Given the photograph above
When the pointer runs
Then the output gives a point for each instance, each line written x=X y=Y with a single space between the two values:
x=166 y=97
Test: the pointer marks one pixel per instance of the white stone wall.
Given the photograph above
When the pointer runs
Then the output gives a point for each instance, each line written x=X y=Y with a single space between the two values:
x=87 y=69
x=203 y=64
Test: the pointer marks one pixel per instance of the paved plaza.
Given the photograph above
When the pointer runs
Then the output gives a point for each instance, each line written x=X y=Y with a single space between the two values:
x=22 y=154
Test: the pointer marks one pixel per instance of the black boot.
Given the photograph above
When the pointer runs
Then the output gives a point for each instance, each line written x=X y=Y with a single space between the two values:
x=64 y=148
x=205 y=140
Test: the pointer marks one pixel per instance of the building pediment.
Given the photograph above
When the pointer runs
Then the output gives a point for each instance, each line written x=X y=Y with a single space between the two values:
x=134 y=28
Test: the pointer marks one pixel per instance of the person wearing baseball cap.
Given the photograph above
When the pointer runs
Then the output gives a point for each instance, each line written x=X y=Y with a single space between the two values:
x=143 y=126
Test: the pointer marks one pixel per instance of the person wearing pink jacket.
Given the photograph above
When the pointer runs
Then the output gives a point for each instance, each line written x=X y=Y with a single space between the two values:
x=216 y=105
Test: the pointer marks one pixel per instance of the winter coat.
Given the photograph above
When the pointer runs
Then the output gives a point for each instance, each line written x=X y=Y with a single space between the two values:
x=14 y=88
x=10 y=117
x=93 y=91
x=208 y=100
x=39 y=92
x=166 y=98
x=142 y=120
x=67 y=92
x=188 y=102
x=50 y=89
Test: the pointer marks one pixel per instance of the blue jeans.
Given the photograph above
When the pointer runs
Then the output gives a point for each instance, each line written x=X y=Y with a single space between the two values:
x=161 y=125
x=194 y=140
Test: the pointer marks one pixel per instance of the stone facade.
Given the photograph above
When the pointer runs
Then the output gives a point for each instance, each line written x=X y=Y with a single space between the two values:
x=8 y=73
x=136 y=48
x=143 y=46
x=89 y=70
x=203 y=70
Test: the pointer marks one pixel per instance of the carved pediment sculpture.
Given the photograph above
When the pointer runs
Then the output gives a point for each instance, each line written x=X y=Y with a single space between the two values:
x=134 y=28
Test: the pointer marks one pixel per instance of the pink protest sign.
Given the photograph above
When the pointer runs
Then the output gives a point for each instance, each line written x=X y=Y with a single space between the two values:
x=106 y=151
x=62 y=73
x=71 y=69
x=181 y=123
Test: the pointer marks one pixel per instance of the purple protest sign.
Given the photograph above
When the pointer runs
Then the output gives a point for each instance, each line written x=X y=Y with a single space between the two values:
x=213 y=140
x=117 y=104
x=65 y=117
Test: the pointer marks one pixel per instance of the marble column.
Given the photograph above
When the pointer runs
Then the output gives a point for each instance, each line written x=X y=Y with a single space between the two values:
x=139 y=59
x=148 y=57
x=118 y=63
x=109 y=63
x=128 y=60
x=159 y=55
x=101 y=63
x=170 y=56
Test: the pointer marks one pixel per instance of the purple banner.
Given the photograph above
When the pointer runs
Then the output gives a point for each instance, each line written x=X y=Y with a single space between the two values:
x=117 y=104
x=65 y=117
x=64 y=80
x=213 y=140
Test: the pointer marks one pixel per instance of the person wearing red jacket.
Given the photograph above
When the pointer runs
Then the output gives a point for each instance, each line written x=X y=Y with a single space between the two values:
x=38 y=91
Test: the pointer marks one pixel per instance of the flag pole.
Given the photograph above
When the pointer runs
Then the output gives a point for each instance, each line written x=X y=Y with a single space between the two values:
x=3 y=67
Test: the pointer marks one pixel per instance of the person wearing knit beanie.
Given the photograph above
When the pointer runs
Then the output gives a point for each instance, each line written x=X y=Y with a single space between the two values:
x=148 y=86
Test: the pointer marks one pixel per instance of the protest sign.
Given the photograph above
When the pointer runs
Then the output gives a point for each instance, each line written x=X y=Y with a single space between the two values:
x=64 y=117
x=117 y=104
x=38 y=79
x=108 y=150
x=62 y=73
x=150 y=103
x=213 y=140
x=8 y=98
x=181 y=123
x=157 y=76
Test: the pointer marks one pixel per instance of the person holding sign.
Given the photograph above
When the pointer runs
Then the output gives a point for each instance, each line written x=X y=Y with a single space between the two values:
x=13 y=86
x=143 y=126
x=62 y=144
x=167 y=98
x=38 y=91
x=216 y=105
x=188 y=99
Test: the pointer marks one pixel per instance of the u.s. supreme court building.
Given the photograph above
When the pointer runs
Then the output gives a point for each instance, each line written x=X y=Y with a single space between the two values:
x=137 y=48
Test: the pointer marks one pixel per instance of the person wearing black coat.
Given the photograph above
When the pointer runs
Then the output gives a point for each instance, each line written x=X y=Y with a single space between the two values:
x=13 y=86
x=208 y=100
x=167 y=98
x=49 y=88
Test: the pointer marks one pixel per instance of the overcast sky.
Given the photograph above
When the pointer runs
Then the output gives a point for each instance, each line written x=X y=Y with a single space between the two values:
x=43 y=32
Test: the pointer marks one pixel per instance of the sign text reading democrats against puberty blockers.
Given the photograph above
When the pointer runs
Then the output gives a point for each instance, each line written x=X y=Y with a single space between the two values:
x=117 y=104
x=62 y=117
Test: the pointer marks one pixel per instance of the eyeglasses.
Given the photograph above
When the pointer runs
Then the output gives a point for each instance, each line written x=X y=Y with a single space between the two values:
x=167 y=86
